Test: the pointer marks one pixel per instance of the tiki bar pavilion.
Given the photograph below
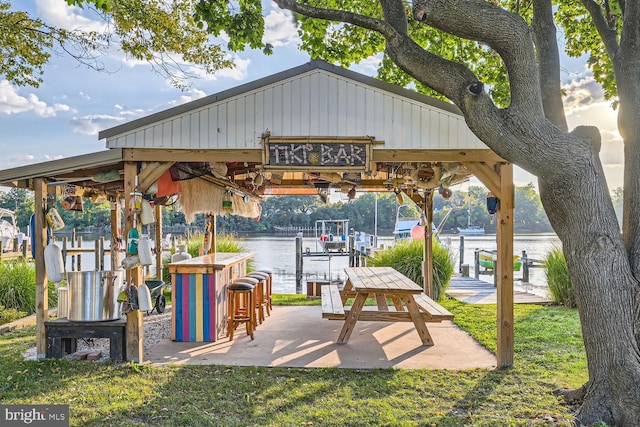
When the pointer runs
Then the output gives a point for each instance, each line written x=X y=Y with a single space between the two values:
x=302 y=131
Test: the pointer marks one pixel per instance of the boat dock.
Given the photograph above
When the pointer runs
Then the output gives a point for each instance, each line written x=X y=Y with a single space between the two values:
x=474 y=291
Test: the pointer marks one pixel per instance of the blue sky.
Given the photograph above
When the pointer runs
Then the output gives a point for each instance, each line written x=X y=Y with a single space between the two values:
x=63 y=116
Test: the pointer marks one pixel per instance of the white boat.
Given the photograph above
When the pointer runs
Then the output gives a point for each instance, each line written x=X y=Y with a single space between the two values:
x=331 y=235
x=407 y=217
x=9 y=231
x=471 y=230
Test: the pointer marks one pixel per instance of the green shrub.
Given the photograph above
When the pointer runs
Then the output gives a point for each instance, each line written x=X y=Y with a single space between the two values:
x=406 y=257
x=18 y=287
x=558 y=278
x=8 y=315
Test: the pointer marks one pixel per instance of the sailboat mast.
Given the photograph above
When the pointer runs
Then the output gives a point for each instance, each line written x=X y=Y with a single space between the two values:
x=469 y=207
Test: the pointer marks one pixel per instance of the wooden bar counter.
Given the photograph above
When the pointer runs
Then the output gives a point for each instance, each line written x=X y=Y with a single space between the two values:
x=199 y=294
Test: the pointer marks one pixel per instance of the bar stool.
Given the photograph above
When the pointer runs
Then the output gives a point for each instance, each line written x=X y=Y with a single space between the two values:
x=269 y=287
x=255 y=282
x=241 y=300
x=261 y=291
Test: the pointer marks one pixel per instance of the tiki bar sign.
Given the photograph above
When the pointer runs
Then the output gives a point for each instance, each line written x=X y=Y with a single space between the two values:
x=342 y=154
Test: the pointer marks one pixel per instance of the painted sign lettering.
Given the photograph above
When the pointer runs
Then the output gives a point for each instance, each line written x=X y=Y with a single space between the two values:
x=317 y=155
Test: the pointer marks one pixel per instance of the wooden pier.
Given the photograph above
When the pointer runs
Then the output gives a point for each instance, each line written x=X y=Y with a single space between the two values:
x=474 y=291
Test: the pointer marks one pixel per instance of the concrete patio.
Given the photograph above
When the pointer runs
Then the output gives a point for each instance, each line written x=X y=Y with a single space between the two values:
x=298 y=336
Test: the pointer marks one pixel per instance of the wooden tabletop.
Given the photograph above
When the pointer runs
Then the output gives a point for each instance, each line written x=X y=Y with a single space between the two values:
x=380 y=279
x=218 y=260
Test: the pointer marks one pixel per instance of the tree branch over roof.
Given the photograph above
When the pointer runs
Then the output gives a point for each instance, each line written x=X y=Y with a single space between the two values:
x=544 y=33
x=607 y=33
x=509 y=35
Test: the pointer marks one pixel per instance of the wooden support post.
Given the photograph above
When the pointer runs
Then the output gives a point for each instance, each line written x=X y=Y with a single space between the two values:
x=525 y=267
x=73 y=244
x=299 y=266
x=79 y=246
x=504 y=269
x=135 y=329
x=213 y=235
x=158 y=241
x=461 y=252
x=42 y=296
x=427 y=257
x=96 y=255
x=116 y=224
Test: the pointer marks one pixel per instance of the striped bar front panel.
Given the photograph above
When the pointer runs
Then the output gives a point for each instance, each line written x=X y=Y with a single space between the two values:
x=195 y=307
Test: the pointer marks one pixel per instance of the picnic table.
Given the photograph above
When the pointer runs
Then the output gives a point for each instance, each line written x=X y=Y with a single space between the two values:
x=409 y=302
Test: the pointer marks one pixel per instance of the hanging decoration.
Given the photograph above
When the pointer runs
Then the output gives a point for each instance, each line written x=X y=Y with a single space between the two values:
x=208 y=234
x=351 y=194
x=417 y=232
x=399 y=198
x=78 y=205
x=227 y=203
x=135 y=202
x=54 y=219
x=446 y=193
x=68 y=202
x=493 y=204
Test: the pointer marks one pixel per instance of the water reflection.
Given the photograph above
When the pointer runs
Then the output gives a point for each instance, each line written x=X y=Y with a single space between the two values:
x=278 y=254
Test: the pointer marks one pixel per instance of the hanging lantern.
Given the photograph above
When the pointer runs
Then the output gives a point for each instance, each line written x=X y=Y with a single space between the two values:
x=417 y=232
x=135 y=202
x=399 y=198
x=351 y=194
x=493 y=203
x=227 y=203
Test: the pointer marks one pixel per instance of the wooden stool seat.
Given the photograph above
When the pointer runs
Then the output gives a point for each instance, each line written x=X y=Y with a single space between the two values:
x=269 y=292
x=241 y=297
x=261 y=290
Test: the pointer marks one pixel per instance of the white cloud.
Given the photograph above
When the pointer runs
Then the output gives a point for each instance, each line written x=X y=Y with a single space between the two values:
x=11 y=102
x=280 y=29
x=69 y=17
x=612 y=150
x=368 y=66
x=92 y=124
x=26 y=159
x=191 y=96
x=582 y=92
x=238 y=72
x=586 y=106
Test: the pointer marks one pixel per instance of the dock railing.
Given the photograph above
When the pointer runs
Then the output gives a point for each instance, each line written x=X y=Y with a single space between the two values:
x=527 y=265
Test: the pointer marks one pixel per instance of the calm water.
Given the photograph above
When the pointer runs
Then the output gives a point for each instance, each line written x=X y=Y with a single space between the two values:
x=278 y=253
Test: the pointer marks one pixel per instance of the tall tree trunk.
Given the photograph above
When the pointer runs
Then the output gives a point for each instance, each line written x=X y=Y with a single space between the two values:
x=576 y=199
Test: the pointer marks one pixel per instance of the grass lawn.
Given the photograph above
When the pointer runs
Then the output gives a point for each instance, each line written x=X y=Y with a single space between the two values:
x=548 y=354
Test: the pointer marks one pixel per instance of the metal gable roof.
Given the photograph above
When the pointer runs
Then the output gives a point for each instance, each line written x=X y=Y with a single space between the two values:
x=270 y=80
x=75 y=167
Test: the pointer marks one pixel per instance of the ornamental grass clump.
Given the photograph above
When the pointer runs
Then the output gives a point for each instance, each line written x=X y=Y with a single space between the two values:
x=558 y=278
x=18 y=287
x=406 y=257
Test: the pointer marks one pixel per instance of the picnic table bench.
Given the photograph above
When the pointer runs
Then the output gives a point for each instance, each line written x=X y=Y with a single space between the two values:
x=409 y=303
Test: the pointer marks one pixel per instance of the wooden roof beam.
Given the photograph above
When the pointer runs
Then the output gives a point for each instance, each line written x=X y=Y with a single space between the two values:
x=181 y=155
x=487 y=174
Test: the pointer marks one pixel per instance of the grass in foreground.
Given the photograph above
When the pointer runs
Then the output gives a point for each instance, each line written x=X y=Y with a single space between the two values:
x=548 y=354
